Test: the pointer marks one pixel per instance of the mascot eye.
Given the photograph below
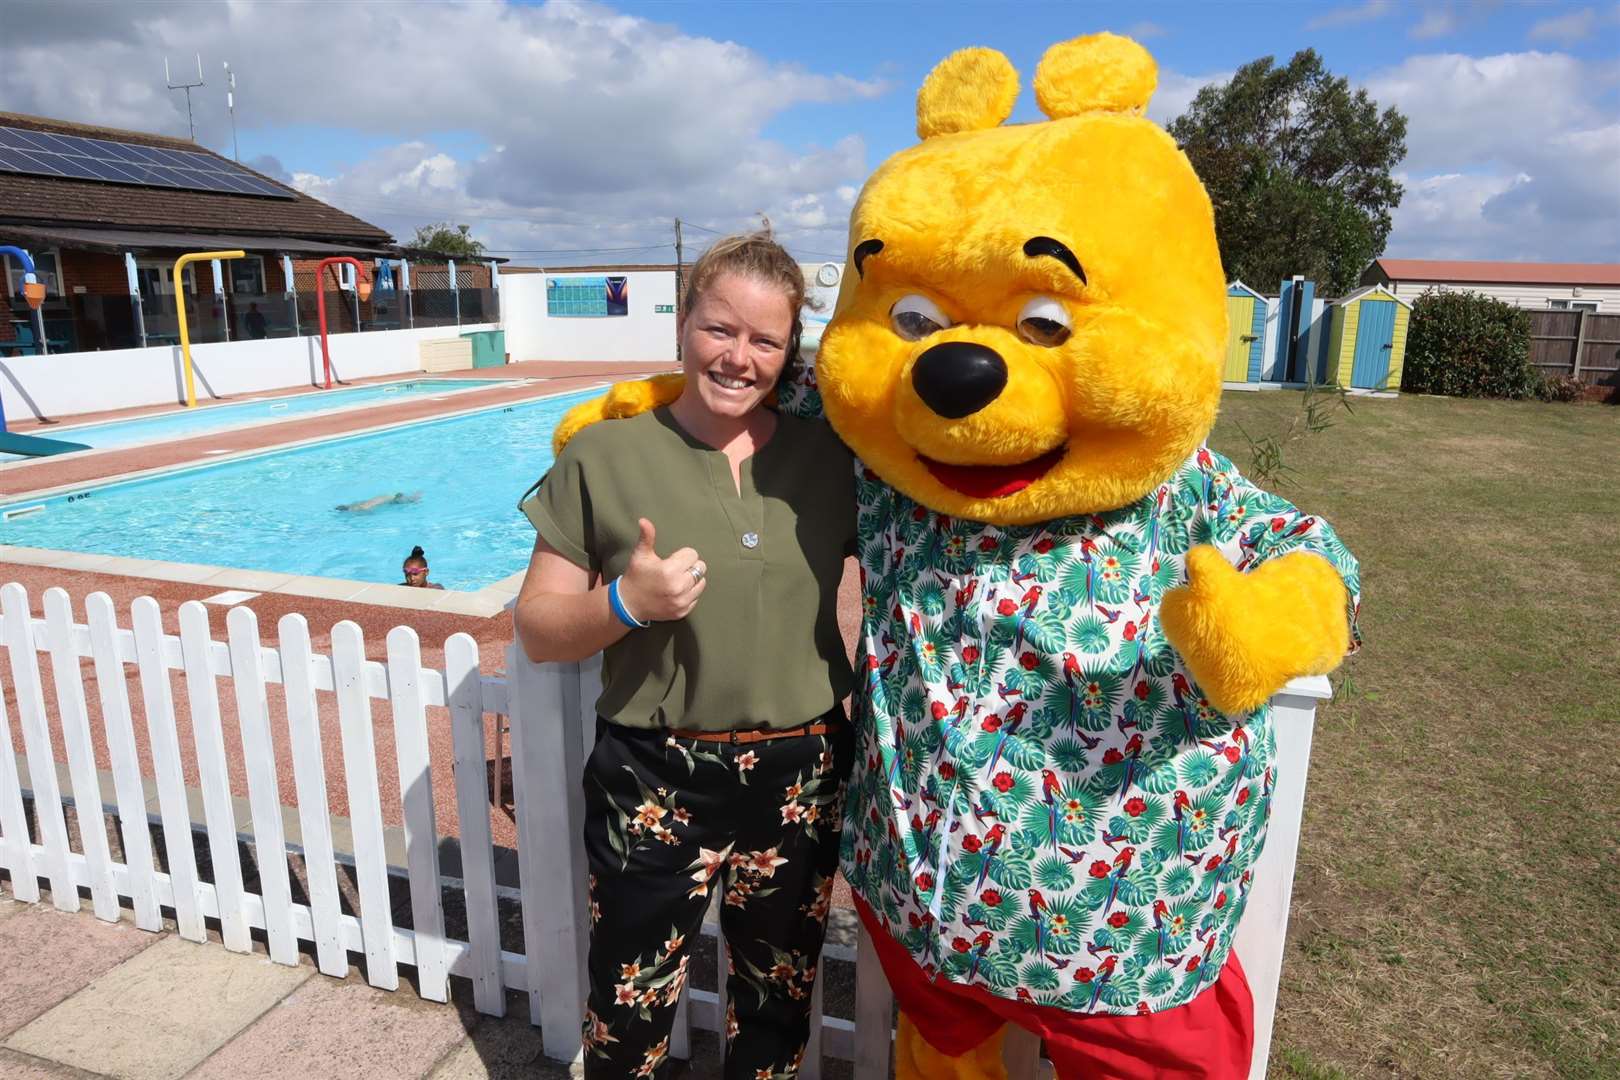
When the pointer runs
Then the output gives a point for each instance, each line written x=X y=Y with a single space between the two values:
x=1044 y=322
x=915 y=317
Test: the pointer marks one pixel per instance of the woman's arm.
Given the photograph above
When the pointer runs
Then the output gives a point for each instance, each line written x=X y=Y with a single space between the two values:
x=563 y=613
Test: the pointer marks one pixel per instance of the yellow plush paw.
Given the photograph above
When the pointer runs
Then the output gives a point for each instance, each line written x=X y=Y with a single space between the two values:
x=915 y=1059
x=1243 y=635
x=623 y=400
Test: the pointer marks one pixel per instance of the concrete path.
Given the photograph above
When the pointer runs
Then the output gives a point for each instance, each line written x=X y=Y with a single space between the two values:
x=87 y=999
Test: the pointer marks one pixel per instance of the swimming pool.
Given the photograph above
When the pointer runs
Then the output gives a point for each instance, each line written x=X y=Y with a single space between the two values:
x=185 y=423
x=278 y=511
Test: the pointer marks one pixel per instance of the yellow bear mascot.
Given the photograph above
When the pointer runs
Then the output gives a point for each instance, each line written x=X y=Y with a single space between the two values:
x=1073 y=611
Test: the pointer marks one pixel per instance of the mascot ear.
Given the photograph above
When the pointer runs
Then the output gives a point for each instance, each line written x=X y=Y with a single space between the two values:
x=1096 y=73
x=967 y=91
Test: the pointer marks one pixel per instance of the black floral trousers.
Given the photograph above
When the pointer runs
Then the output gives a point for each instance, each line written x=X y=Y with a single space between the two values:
x=671 y=824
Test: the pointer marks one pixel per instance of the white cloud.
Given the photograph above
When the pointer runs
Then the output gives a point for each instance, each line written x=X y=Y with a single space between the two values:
x=599 y=123
x=1509 y=156
x=1436 y=23
x=1576 y=28
x=1176 y=91
x=1352 y=14
x=1144 y=30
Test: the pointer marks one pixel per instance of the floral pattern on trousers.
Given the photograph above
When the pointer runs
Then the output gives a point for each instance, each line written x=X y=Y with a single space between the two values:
x=672 y=825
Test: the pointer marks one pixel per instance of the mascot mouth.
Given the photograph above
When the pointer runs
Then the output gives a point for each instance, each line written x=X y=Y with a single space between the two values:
x=992 y=481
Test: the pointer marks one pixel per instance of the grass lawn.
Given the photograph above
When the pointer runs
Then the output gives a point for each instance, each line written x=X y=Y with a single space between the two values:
x=1457 y=909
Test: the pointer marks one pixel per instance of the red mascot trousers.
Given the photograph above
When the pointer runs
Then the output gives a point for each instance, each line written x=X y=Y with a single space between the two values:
x=1209 y=1038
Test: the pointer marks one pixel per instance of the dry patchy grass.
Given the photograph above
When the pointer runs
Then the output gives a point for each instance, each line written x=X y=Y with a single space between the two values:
x=1459 y=878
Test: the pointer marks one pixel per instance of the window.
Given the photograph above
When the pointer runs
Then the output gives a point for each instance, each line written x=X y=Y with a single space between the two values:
x=157 y=278
x=47 y=269
x=1573 y=305
x=247 y=275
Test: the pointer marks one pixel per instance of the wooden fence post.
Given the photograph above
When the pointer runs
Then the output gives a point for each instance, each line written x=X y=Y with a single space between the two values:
x=547 y=763
x=1580 y=343
x=1260 y=936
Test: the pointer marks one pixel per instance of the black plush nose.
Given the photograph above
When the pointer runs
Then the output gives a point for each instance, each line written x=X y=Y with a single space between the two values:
x=958 y=378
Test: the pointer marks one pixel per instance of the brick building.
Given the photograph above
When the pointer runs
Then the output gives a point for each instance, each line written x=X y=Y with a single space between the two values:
x=104 y=213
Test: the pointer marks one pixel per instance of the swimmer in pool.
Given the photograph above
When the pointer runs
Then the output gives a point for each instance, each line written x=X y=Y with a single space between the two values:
x=416 y=570
x=399 y=497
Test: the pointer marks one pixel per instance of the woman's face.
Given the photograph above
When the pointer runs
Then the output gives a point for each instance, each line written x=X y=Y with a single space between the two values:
x=734 y=344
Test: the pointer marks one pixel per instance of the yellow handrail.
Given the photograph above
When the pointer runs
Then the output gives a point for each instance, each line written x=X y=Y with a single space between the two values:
x=180 y=310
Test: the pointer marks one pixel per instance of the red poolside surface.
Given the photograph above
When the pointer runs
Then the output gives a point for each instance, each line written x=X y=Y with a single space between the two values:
x=492 y=634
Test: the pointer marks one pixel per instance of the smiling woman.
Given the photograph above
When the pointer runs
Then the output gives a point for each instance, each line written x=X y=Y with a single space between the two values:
x=700 y=547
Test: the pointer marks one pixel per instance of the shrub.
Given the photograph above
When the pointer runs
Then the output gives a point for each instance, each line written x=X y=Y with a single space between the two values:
x=1561 y=388
x=1465 y=344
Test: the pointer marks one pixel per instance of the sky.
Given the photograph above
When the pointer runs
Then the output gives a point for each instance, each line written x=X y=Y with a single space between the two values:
x=567 y=132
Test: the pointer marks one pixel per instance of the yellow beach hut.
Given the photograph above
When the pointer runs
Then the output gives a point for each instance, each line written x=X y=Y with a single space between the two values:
x=1368 y=343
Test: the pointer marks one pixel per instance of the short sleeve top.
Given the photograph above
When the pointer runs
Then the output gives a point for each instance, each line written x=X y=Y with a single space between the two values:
x=762 y=648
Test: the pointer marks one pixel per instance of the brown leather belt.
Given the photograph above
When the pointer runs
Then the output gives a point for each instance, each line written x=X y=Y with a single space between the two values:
x=740 y=738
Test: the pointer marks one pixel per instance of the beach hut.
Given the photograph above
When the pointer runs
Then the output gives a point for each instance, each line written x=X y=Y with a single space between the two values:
x=1368 y=342
x=1245 y=333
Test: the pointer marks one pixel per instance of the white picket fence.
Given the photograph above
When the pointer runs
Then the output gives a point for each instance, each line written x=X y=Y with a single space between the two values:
x=552 y=725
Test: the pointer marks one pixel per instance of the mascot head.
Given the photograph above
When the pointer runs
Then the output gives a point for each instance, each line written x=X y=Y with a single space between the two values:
x=1033 y=315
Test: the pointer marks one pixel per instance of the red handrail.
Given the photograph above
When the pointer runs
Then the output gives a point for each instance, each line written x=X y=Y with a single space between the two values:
x=362 y=287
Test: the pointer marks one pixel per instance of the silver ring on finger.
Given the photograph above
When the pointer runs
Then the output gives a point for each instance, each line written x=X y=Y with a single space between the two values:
x=696 y=570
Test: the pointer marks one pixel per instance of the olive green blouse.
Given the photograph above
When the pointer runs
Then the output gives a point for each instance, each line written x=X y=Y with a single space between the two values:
x=762 y=647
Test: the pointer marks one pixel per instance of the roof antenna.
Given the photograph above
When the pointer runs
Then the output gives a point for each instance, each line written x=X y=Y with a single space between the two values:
x=187 y=87
x=230 y=106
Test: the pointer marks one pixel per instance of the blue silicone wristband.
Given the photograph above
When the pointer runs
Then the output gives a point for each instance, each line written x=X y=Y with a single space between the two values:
x=620 y=610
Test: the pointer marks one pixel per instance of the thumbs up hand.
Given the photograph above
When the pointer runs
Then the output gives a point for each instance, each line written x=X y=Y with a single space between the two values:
x=657 y=589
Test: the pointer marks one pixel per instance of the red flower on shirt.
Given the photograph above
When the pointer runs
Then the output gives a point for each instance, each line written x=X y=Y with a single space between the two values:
x=991 y=723
x=1099 y=869
x=1084 y=975
x=1029 y=661
x=1243 y=796
x=987 y=543
x=990 y=898
x=961 y=944
x=1112 y=756
x=970 y=653
x=1043 y=545
x=947 y=771
x=925 y=881
x=971 y=843
x=1220 y=901
x=1003 y=781
x=1142 y=690
x=1135 y=806
x=1007 y=607
x=939 y=710
x=1118 y=919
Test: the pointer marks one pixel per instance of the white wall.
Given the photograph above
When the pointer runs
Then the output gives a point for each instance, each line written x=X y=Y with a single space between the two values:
x=63 y=384
x=1533 y=297
x=644 y=335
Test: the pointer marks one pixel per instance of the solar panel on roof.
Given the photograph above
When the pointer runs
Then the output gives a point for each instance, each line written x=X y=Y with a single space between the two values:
x=44 y=153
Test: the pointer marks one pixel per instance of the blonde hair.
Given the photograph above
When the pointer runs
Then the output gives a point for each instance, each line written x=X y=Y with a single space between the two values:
x=754 y=255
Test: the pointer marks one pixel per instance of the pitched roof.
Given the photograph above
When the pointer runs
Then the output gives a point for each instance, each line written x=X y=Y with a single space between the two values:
x=58 y=200
x=1448 y=270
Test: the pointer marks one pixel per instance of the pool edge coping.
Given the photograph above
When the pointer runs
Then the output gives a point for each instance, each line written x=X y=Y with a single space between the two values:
x=487 y=602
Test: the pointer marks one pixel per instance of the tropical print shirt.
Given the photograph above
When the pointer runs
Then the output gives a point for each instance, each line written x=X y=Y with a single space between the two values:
x=1043 y=804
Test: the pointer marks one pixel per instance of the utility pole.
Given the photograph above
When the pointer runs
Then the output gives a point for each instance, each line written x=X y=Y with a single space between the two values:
x=187 y=87
x=678 y=274
x=230 y=107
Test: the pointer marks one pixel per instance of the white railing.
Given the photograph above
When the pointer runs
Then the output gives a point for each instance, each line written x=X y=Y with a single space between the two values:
x=552 y=725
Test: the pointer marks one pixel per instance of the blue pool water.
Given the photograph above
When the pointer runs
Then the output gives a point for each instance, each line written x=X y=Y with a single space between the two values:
x=278 y=511
x=185 y=423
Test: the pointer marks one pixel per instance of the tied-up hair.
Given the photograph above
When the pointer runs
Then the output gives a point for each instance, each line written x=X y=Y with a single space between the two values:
x=758 y=256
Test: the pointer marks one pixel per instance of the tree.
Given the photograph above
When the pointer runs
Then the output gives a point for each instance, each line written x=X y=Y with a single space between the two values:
x=1298 y=167
x=443 y=238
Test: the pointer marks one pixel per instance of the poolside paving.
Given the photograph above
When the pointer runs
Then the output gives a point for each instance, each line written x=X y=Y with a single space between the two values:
x=156 y=1007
